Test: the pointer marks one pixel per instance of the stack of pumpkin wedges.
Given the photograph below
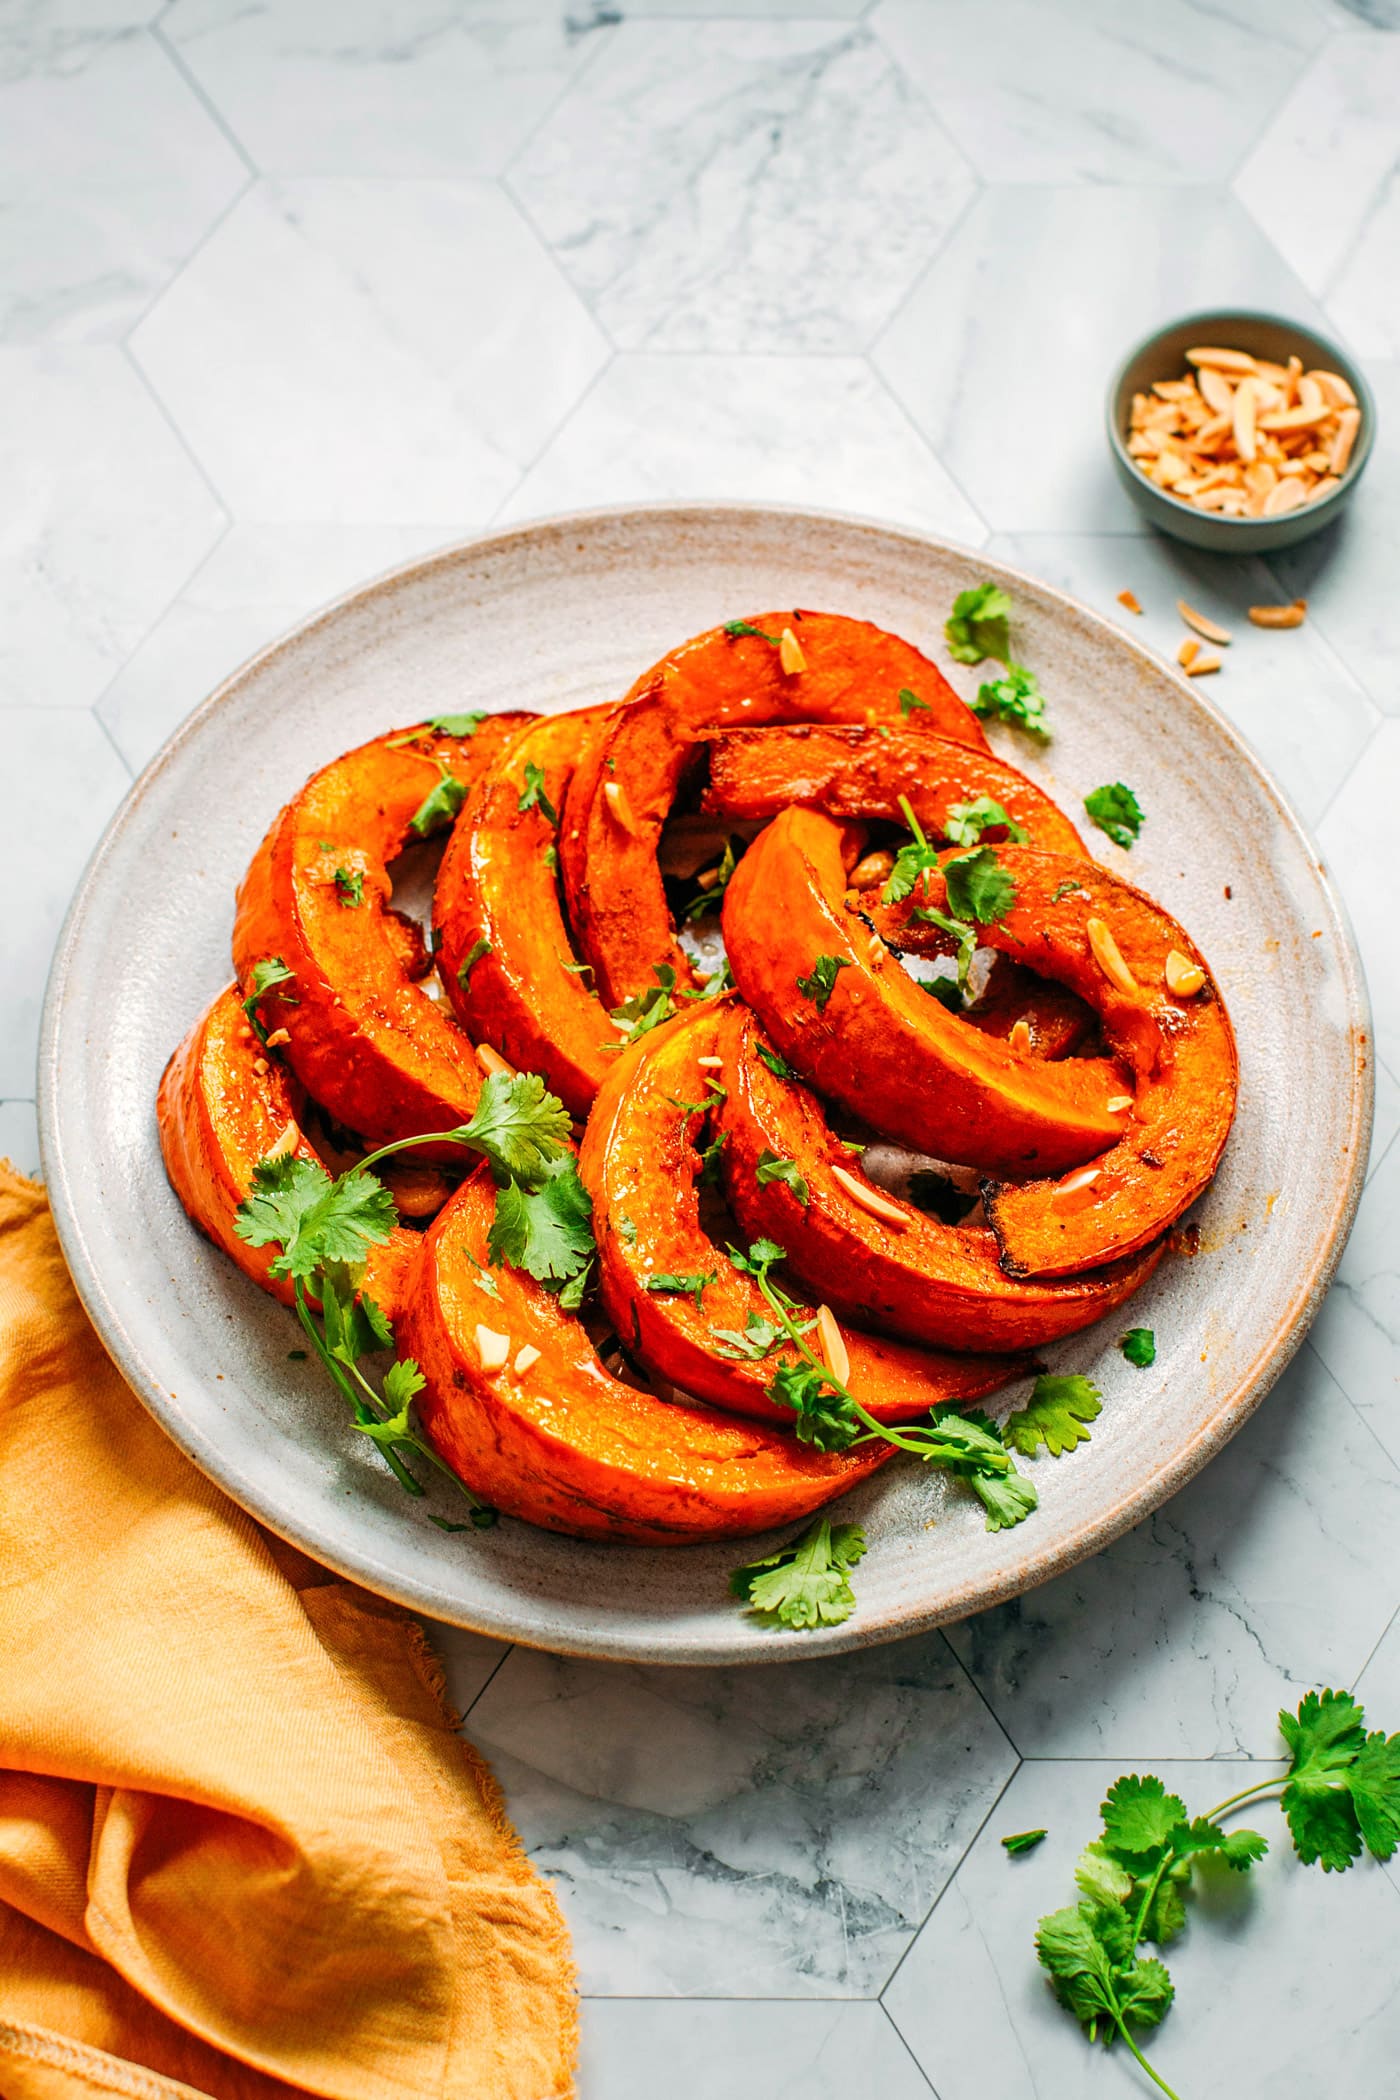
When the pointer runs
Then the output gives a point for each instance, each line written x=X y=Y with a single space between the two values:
x=1089 y=1099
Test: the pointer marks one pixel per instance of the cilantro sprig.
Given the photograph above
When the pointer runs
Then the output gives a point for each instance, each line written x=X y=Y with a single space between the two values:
x=806 y=1583
x=979 y=625
x=1015 y=697
x=966 y=822
x=707 y=900
x=735 y=628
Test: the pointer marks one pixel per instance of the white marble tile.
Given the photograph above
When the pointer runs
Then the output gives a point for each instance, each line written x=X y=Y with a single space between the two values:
x=1347 y=573
x=19 y=1136
x=258 y=582
x=350 y=350
x=1387 y=1122
x=111 y=171
x=1272 y=1571
x=62 y=782
x=1359 y=855
x=777 y=1831
x=1283 y=1979
x=815 y=430
x=1004 y=351
x=468 y=1661
x=1093 y=91
x=104 y=517
x=732 y=185
x=634 y=2048
x=1283 y=689
x=761 y=10
x=1378 y=1686
x=384 y=87
x=1357 y=1332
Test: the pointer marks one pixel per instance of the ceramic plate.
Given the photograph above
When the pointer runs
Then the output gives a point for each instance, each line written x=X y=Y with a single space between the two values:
x=563 y=614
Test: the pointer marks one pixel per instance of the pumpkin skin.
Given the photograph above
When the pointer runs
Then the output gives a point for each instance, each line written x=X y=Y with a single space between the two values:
x=218 y=1116
x=366 y=1040
x=934 y=1283
x=612 y=886
x=1181 y=1051
x=526 y=995
x=567 y=1446
x=639 y=1163
x=879 y=1044
x=853 y=770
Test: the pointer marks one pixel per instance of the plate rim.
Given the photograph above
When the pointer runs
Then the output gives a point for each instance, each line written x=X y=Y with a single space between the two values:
x=1148 y=1494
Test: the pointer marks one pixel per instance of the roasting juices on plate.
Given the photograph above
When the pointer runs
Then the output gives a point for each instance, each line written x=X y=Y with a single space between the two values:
x=640 y=1286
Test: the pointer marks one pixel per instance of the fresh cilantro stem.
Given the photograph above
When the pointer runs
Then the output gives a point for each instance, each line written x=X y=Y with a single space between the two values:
x=1159 y=2082
x=340 y=1379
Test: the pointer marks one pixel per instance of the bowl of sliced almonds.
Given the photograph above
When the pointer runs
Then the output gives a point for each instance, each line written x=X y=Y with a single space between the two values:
x=1240 y=431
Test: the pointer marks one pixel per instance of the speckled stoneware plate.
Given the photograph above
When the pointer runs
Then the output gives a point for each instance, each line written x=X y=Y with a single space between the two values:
x=563 y=614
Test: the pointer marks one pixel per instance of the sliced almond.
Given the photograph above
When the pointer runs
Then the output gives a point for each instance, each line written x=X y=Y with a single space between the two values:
x=1260 y=478
x=1204 y=664
x=278 y=1037
x=1116 y=1106
x=870 y=1199
x=1216 y=360
x=832 y=1344
x=1019 y=1039
x=871 y=869
x=790 y=653
x=1288 y=495
x=1209 y=629
x=1173 y=389
x=1294 y=418
x=1323 y=487
x=1243 y=419
x=1188 y=652
x=1216 y=390
x=615 y=795
x=492 y=1349
x=1184 y=978
x=1310 y=394
x=1077 y=1187
x=286 y=1142
x=491 y=1061
x=710 y=1064
x=1129 y=599
x=1333 y=388
x=707 y=878
x=1348 y=423
x=525 y=1359
x=1279 y=615
x=1109 y=956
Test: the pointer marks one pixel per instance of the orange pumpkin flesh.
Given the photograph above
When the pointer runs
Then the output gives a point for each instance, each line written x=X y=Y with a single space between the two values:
x=640 y=1164
x=367 y=1041
x=566 y=1445
x=525 y=994
x=934 y=1283
x=1182 y=1052
x=881 y=1045
x=852 y=770
x=627 y=779
x=218 y=1115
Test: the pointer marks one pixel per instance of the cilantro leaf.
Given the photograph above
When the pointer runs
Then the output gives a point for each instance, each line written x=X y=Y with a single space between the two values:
x=1139 y=1345
x=1145 y=1993
x=771 y=1168
x=909 y=701
x=1140 y=1817
x=979 y=887
x=627 y=1228
x=712 y=898
x=1116 y=810
x=822 y=982
x=574 y=1289
x=267 y=976
x=1069 y=888
x=1008 y=1498
x=960 y=930
x=533 y=795
x=350 y=886
x=1343 y=1788
x=1022 y=1841
x=735 y=628
x=546 y=1231
x=1069 y=1947
x=979 y=625
x=1014 y=698
x=522 y=1129
x=1102 y=1878
x=806 y=1583
x=1374 y=1784
x=458 y=725
x=684 y=1286
x=354 y=1326
x=778 y=1066
x=472 y=957
x=296 y=1206
x=646 y=1010
x=441 y=804
x=1054 y=1416
x=757 y=1339
x=825 y=1418
x=966 y=822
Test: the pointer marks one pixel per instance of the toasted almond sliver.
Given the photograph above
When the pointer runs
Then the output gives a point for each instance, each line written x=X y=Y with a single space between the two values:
x=615 y=795
x=1173 y=389
x=1184 y=978
x=1116 y=1106
x=1348 y=423
x=1217 y=360
x=870 y=1199
x=1076 y=1187
x=1310 y=394
x=1209 y=630
x=1323 y=487
x=1286 y=496
x=1109 y=956
x=1129 y=598
x=278 y=1037
x=832 y=1344
x=790 y=653
x=1019 y=1039
x=1334 y=389
x=710 y=1064
x=1293 y=418
x=525 y=1359
x=1204 y=665
x=1279 y=615
x=1188 y=652
x=491 y=1061
x=493 y=1349
x=1245 y=443
x=1260 y=478
x=287 y=1142
x=1216 y=390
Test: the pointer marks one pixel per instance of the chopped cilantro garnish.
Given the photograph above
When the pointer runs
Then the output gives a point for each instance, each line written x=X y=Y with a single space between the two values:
x=966 y=822
x=1022 y=1841
x=822 y=982
x=771 y=1168
x=1016 y=698
x=908 y=701
x=267 y=976
x=778 y=1066
x=735 y=628
x=1055 y=1416
x=979 y=887
x=979 y=625
x=1116 y=810
x=473 y=956
x=711 y=899
x=683 y=1286
x=805 y=1583
x=440 y=805
x=646 y=1010
x=350 y=886
x=1139 y=1345
x=533 y=796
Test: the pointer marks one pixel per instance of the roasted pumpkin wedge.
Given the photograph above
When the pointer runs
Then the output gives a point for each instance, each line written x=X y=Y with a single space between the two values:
x=223 y=1105
x=366 y=1039
x=640 y=1165
x=838 y=1006
x=871 y=1256
x=1160 y=1011
x=744 y=673
x=554 y=1437
x=1047 y=1020
x=857 y=770
x=503 y=948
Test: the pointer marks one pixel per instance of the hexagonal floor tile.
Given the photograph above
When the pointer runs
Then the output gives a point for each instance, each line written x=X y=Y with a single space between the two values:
x=469 y=1661
x=1273 y=1571
x=110 y=170
x=819 y=430
x=730 y=185
x=19 y=1135
x=1360 y=857
x=332 y=351
x=1321 y=184
x=106 y=515
x=363 y=89
x=1347 y=573
x=744 y=2051
x=769 y=1832
x=1357 y=1332
x=1282 y=1979
x=1387 y=1112
x=1075 y=90
x=62 y=781
x=1284 y=690
x=1378 y=1686
x=1004 y=350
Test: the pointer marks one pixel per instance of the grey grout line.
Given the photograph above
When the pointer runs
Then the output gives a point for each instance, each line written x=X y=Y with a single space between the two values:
x=1393 y=1620
x=914 y=1937
x=929 y=446
x=907 y=2046
x=1364 y=1420
x=978 y=1693
x=579 y=72
x=122 y=759
x=480 y=1695
x=216 y=116
x=564 y=421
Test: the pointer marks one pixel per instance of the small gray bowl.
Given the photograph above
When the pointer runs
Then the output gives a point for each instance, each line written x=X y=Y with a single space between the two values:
x=1162 y=355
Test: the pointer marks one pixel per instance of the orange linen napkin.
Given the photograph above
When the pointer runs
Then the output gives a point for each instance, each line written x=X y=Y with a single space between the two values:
x=242 y=1854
